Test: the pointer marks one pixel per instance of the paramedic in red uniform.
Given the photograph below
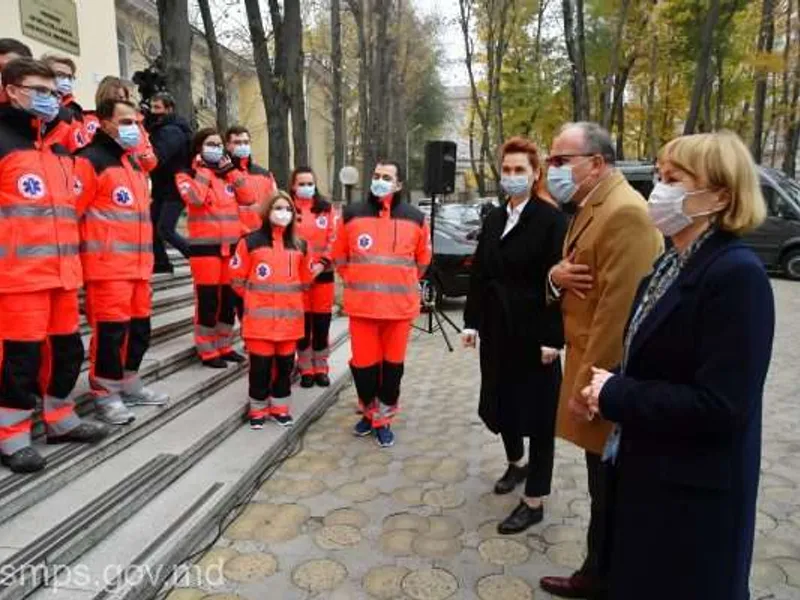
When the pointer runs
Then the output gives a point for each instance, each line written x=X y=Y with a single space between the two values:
x=212 y=191
x=382 y=249
x=270 y=270
x=71 y=114
x=117 y=258
x=259 y=180
x=315 y=225
x=40 y=272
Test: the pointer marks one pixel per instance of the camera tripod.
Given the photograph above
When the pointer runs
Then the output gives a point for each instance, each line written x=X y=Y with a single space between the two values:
x=431 y=295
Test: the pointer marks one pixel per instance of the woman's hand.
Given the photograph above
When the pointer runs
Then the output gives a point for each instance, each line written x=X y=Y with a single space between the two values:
x=549 y=355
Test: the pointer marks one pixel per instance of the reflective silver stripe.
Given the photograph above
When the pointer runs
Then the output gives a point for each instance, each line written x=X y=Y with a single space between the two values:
x=273 y=313
x=104 y=214
x=212 y=241
x=92 y=247
x=238 y=281
x=224 y=328
x=2 y=251
x=383 y=288
x=278 y=288
x=13 y=416
x=201 y=179
x=340 y=262
x=203 y=331
x=322 y=353
x=391 y=261
x=62 y=212
x=206 y=347
x=213 y=218
x=254 y=207
x=30 y=251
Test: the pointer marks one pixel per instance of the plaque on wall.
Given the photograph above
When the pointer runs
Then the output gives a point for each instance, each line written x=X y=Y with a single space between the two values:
x=52 y=22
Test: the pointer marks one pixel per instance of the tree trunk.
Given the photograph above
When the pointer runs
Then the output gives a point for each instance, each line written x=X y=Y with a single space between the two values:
x=358 y=9
x=220 y=89
x=479 y=176
x=295 y=78
x=176 y=44
x=718 y=117
x=620 y=107
x=701 y=70
x=652 y=142
x=705 y=122
x=271 y=79
x=339 y=142
x=606 y=104
x=792 y=135
x=585 y=108
x=765 y=42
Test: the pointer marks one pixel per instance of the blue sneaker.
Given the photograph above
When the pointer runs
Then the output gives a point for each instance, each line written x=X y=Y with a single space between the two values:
x=384 y=437
x=363 y=428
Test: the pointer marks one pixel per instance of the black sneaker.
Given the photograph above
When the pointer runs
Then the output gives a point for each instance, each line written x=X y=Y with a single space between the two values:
x=306 y=381
x=215 y=363
x=233 y=357
x=513 y=476
x=322 y=380
x=257 y=422
x=284 y=420
x=520 y=519
x=85 y=433
x=26 y=460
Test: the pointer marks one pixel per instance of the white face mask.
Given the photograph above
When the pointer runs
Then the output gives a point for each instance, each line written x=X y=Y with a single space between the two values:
x=665 y=206
x=281 y=217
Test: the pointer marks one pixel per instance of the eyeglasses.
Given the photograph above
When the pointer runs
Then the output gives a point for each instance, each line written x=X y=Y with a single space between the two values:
x=40 y=89
x=559 y=160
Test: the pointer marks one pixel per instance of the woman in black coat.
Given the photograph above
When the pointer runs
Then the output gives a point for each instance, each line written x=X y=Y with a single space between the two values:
x=687 y=400
x=519 y=334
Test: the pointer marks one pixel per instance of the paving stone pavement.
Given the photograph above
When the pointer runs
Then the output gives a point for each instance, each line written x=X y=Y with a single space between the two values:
x=343 y=519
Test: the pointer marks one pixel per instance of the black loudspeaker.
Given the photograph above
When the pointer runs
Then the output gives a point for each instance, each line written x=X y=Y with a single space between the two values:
x=440 y=168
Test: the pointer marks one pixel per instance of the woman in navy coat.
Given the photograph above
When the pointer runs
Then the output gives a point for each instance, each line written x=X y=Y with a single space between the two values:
x=687 y=398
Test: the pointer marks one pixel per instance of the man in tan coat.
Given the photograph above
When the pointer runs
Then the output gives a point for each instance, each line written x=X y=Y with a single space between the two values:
x=610 y=246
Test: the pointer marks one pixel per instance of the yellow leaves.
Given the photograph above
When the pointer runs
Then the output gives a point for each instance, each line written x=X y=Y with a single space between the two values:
x=765 y=62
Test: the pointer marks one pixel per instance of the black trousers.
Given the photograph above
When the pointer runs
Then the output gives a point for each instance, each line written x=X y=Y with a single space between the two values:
x=599 y=536
x=112 y=338
x=540 y=461
x=164 y=216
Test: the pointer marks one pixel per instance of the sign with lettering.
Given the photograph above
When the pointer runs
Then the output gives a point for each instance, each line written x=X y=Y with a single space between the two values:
x=53 y=22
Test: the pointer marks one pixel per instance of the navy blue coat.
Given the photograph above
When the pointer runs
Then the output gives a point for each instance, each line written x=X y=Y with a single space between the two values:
x=690 y=409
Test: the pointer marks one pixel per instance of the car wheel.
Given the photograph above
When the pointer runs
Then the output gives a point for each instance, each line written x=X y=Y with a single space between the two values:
x=791 y=264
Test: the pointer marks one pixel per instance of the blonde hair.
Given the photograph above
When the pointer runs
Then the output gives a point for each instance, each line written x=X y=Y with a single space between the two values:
x=107 y=88
x=723 y=161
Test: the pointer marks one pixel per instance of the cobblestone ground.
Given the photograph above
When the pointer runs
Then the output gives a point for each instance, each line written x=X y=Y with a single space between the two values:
x=344 y=519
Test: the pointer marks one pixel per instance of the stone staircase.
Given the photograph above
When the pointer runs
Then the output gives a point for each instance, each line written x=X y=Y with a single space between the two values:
x=100 y=517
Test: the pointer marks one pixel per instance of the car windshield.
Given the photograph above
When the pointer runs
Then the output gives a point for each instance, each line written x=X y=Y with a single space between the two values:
x=790 y=187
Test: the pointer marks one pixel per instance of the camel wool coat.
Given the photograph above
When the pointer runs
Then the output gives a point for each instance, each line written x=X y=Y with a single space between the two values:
x=612 y=234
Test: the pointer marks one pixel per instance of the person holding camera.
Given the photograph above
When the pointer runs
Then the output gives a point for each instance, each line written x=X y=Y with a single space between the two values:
x=520 y=334
x=171 y=138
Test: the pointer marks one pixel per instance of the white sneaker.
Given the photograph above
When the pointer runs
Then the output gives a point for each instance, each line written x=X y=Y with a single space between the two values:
x=145 y=396
x=112 y=410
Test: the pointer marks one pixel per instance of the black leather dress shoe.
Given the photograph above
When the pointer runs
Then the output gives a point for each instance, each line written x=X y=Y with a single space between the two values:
x=575 y=586
x=215 y=363
x=233 y=357
x=322 y=380
x=85 y=433
x=520 y=519
x=513 y=476
x=306 y=381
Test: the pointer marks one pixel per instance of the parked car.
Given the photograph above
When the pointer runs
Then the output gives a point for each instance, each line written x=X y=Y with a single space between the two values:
x=777 y=241
x=452 y=261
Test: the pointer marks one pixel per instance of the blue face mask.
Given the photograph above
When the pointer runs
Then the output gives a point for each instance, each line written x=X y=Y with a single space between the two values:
x=128 y=136
x=560 y=183
x=514 y=185
x=64 y=85
x=43 y=106
x=211 y=154
x=381 y=188
x=306 y=191
x=241 y=150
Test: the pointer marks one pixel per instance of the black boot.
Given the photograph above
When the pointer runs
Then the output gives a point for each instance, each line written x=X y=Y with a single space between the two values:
x=306 y=381
x=520 y=519
x=233 y=357
x=322 y=380
x=215 y=363
x=513 y=476
x=26 y=460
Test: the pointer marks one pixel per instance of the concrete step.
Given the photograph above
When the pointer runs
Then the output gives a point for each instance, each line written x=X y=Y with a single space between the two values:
x=160 y=495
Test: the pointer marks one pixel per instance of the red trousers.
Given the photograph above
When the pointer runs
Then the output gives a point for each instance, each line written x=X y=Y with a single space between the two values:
x=26 y=321
x=119 y=313
x=215 y=304
x=377 y=363
x=270 y=378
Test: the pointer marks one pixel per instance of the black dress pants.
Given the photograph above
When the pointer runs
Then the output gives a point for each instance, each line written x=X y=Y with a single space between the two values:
x=540 y=461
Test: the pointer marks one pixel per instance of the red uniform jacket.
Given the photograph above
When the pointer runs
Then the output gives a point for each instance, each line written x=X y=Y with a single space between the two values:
x=382 y=248
x=271 y=275
x=260 y=185
x=316 y=224
x=116 y=231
